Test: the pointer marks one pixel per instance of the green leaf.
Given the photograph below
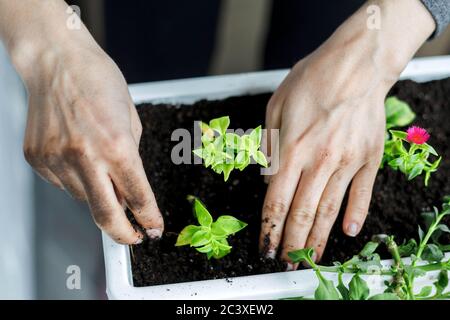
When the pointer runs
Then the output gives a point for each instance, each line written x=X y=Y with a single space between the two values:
x=227 y=168
x=326 y=289
x=421 y=233
x=408 y=248
x=218 y=146
x=205 y=249
x=358 y=288
x=202 y=214
x=301 y=255
x=217 y=231
x=428 y=148
x=242 y=160
x=209 y=160
x=200 y=238
x=416 y=171
x=218 y=168
x=432 y=253
x=199 y=153
x=430 y=217
x=255 y=136
x=398 y=113
x=219 y=254
x=229 y=224
x=425 y=292
x=245 y=143
x=385 y=296
x=343 y=291
x=436 y=164
x=443 y=228
x=441 y=282
x=261 y=158
x=222 y=244
x=240 y=157
x=396 y=163
x=232 y=140
x=220 y=124
x=185 y=236
x=399 y=134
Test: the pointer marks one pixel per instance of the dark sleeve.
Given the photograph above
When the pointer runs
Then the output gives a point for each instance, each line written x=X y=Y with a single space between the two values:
x=440 y=10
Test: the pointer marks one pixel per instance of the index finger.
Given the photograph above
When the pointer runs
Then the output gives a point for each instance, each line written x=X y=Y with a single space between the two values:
x=106 y=210
x=131 y=181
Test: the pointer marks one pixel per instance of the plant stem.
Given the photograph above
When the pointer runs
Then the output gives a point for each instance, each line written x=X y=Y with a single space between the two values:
x=422 y=246
x=434 y=266
x=385 y=272
x=336 y=269
x=401 y=280
x=427 y=237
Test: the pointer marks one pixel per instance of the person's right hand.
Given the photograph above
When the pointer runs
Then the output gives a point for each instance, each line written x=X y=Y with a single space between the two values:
x=83 y=130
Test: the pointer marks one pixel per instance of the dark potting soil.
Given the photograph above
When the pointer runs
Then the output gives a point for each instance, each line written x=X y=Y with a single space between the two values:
x=395 y=207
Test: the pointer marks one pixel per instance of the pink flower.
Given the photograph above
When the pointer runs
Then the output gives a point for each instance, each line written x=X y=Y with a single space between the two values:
x=417 y=135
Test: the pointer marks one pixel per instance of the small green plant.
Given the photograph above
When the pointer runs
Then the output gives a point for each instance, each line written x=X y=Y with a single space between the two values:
x=412 y=160
x=209 y=237
x=225 y=151
x=425 y=256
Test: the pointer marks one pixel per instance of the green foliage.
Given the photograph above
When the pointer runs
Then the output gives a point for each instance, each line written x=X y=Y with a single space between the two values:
x=358 y=289
x=326 y=289
x=413 y=161
x=398 y=113
x=209 y=237
x=225 y=151
x=367 y=262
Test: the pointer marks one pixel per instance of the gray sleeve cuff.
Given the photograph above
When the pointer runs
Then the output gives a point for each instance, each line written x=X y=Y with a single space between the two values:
x=440 y=10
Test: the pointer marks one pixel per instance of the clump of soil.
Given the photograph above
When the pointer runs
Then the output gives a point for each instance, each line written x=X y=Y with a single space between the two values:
x=395 y=207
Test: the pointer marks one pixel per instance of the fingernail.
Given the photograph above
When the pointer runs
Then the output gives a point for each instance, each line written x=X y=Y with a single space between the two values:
x=270 y=254
x=139 y=241
x=352 y=229
x=153 y=233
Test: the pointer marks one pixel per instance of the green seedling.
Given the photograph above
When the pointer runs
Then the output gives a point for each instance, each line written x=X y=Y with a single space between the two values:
x=225 y=151
x=412 y=160
x=209 y=237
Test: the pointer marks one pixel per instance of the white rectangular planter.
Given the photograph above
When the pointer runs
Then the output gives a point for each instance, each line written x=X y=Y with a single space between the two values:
x=268 y=286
